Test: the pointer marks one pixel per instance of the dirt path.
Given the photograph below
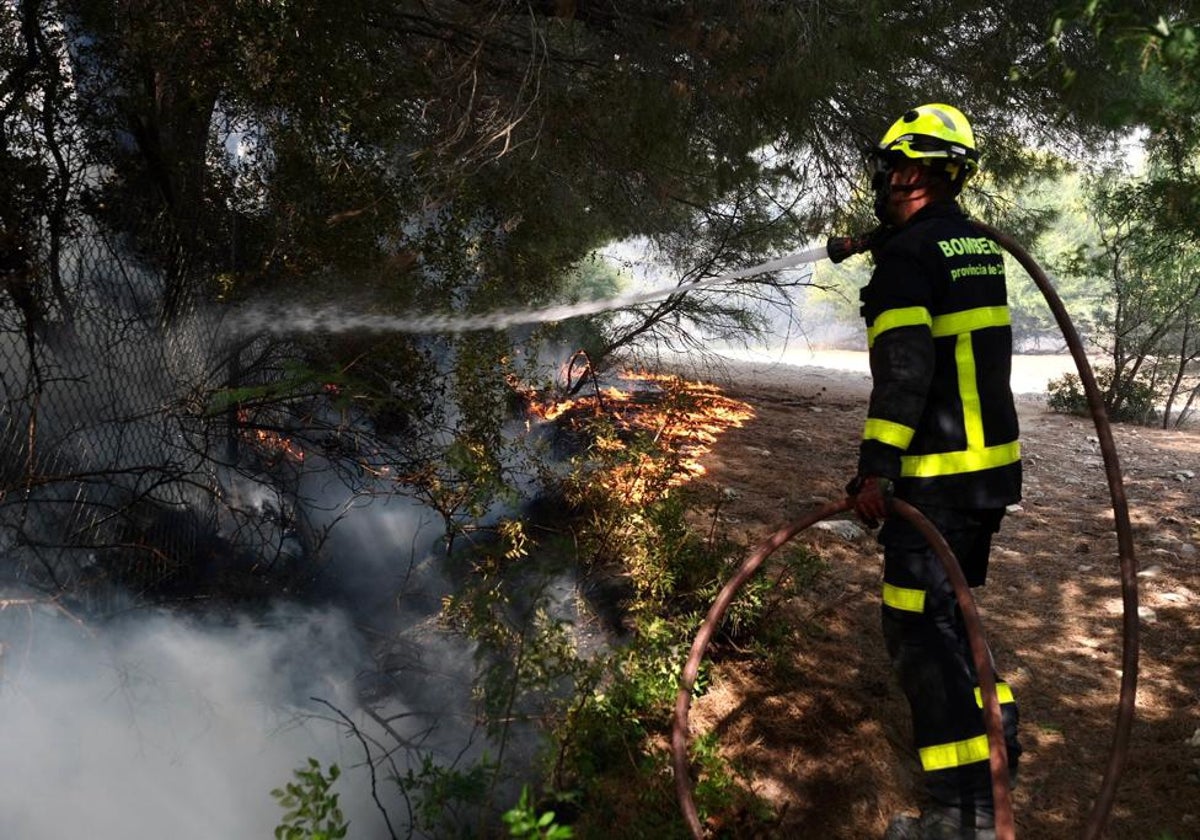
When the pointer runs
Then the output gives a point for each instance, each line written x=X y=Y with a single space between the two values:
x=824 y=734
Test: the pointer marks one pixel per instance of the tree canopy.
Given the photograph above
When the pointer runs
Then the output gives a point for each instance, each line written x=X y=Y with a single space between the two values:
x=452 y=156
x=287 y=140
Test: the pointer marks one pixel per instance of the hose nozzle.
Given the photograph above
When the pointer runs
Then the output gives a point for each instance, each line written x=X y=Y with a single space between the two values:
x=843 y=247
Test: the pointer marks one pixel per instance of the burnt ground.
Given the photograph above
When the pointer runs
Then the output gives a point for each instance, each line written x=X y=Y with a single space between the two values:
x=824 y=735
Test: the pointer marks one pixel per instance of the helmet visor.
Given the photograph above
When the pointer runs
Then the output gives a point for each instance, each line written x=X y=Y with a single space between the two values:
x=880 y=163
x=928 y=146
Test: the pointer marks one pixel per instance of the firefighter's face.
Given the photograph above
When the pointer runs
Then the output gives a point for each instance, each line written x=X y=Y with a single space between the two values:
x=894 y=187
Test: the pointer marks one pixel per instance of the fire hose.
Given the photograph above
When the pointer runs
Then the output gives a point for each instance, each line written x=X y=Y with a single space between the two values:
x=1119 y=750
x=839 y=249
x=998 y=756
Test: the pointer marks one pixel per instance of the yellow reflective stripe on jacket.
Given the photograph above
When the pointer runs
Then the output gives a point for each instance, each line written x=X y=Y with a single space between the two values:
x=899 y=598
x=885 y=431
x=908 y=316
x=1003 y=694
x=976 y=456
x=953 y=463
x=968 y=392
x=957 y=323
x=954 y=754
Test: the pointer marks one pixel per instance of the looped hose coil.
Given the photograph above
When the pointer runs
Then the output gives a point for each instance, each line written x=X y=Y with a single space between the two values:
x=997 y=752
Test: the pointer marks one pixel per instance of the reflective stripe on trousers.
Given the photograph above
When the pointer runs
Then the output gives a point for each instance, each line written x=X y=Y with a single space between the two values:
x=930 y=654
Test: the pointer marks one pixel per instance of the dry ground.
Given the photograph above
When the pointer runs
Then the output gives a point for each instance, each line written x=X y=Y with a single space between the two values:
x=825 y=736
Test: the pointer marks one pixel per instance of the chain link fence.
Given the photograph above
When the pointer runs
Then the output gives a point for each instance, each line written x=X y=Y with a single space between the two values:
x=121 y=477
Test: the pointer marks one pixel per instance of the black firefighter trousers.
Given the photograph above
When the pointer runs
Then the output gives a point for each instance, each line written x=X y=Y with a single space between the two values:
x=930 y=653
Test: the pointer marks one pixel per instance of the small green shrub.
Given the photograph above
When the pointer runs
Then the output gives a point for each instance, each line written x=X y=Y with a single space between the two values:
x=525 y=822
x=1134 y=398
x=720 y=786
x=1065 y=395
x=444 y=798
x=311 y=808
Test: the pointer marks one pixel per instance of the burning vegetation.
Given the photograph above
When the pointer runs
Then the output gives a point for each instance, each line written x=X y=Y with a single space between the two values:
x=272 y=443
x=655 y=427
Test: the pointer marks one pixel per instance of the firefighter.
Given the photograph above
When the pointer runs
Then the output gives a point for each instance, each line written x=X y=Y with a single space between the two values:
x=941 y=434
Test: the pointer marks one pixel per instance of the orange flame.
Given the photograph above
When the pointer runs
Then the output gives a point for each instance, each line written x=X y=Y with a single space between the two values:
x=275 y=444
x=682 y=419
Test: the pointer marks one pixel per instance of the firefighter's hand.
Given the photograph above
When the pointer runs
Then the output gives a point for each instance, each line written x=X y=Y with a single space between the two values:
x=872 y=497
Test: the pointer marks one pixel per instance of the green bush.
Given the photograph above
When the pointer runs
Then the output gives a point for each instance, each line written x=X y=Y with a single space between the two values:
x=1065 y=395
x=526 y=822
x=1134 y=398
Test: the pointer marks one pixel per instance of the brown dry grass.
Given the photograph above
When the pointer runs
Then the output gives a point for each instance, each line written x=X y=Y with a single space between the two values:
x=824 y=736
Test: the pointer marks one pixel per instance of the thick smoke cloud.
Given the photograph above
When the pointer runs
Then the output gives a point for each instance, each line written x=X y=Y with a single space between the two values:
x=168 y=728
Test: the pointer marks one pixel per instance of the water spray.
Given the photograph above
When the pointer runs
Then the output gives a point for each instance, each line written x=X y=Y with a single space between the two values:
x=838 y=249
x=277 y=319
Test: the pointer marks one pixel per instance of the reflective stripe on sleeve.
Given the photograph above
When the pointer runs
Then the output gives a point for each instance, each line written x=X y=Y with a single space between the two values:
x=1003 y=694
x=885 y=431
x=954 y=754
x=899 y=598
x=909 y=316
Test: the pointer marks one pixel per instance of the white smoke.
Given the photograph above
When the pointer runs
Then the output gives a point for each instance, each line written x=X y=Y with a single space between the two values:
x=168 y=728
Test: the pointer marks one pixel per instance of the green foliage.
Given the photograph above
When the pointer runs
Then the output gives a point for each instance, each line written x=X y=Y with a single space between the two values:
x=444 y=798
x=311 y=808
x=719 y=787
x=526 y=822
x=1065 y=395
x=1064 y=228
x=1146 y=276
x=1129 y=400
x=594 y=277
x=1151 y=59
x=296 y=381
x=649 y=531
x=605 y=709
x=1136 y=41
x=462 y=470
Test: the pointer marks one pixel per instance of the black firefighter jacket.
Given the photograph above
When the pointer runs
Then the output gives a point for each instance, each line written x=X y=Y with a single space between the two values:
x=941 y=422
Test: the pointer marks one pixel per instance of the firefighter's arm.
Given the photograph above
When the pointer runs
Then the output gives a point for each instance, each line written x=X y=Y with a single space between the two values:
x=901 y=370
x=897 y=305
